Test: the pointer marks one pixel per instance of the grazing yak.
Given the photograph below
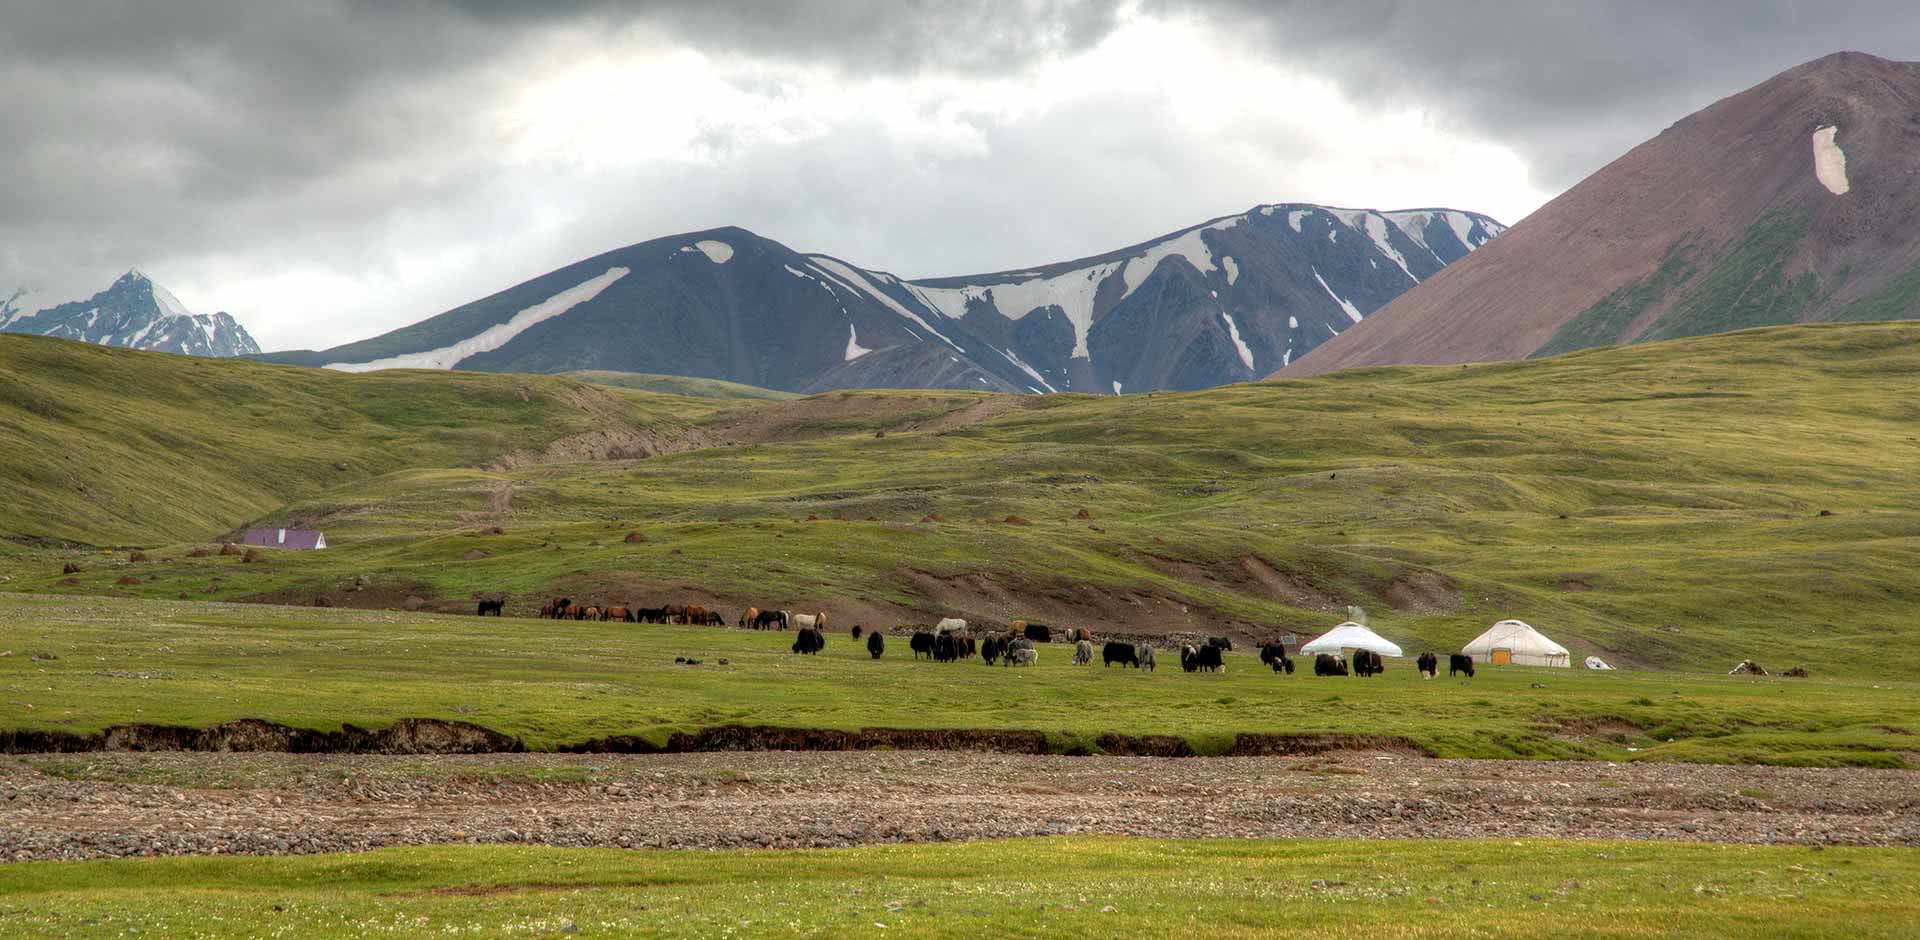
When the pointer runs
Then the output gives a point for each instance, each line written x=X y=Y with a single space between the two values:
x=1205 y=658
x=856 y=631
x=1020 y=652
x=921 y=644
x=1083 y=652
x=1429 y=665
x=810 y=641
x=1143 y=656
x=1116 y=652
x=1327 y=664
x=1037 y=632
x=1459 y=662
x=945 y=650
x=493 y=608
x=1275 y=655
x=1367 y=664
x=992 y=648
x=876 y=644
x=1220 y=642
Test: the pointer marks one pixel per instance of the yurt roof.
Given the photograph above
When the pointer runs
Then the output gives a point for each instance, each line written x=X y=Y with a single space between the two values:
x=1515 y=635
x=1347 y=636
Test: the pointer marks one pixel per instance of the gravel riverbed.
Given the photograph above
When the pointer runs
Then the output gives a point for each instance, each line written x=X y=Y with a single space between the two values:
x=119 y=804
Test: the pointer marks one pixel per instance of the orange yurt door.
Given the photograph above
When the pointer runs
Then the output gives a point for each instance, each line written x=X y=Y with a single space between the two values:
x=1502 y=657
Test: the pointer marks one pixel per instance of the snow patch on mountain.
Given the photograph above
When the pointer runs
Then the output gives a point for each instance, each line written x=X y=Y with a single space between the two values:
x=1351 y=310
x=169 y=304
x=1233 y=270
x=1073 y=292
x=854 y=349
x=853 y=281
x=716 y=252
x=1377 y=230
x=1233 y=330
x=1294 y=217
x=1188 y=244
x=496 y=336
x=1037 y=377
x=1829 y=161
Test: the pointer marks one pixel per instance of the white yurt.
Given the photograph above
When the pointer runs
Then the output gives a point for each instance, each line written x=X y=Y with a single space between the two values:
x=1350 y=636
x=1514 y=641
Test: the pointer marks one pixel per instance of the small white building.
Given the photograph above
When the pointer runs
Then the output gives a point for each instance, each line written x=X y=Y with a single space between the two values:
x=1349 y=636
x=1515 y=642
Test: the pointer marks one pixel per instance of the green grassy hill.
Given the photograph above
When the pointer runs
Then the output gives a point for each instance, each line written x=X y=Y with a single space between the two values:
x=681 y=385
x=108 y=446
x=1678 y=505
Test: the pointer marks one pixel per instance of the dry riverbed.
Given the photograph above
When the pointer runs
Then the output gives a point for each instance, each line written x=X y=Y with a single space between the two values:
x=120 y=804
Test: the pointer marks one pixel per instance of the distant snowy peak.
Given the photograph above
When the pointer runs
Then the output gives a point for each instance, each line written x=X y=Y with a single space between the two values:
x=1229 y=300
x=137 y=313
x=1228 y=296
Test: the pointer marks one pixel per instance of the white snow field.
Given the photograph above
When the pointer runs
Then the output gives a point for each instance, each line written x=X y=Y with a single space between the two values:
x=1351 y=310
x=716 y=252
x=495 y=336
x=854 y=349
x=1233 y=330
x=1829 y=161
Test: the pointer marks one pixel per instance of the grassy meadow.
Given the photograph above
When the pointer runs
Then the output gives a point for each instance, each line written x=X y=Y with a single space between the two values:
x=1042 y=888
x=1668 y=506
x=558 y=683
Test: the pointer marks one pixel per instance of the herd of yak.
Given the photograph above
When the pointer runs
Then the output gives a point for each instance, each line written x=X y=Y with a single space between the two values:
x=949 y=641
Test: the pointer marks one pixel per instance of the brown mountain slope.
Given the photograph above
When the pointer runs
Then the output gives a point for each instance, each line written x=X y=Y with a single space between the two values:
x=1721 y=222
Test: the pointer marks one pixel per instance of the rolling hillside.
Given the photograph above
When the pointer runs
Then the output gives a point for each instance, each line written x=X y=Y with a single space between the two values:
x=107 y=446
x=1683 y=504
x=1790 y=202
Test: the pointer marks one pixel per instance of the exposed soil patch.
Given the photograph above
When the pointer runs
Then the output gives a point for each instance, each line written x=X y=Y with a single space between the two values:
x=301 y=804
x=1289 y=588
x=1575 y=586
x=1421 y=592
x=996 y=598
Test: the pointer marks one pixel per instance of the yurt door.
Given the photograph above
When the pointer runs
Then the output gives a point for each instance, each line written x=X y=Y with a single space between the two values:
x=1502 y=657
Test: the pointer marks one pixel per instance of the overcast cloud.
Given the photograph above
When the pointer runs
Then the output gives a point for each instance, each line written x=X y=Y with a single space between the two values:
x=330 y=170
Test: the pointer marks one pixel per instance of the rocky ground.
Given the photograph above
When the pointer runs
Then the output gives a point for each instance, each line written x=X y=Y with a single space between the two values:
x=118 y=804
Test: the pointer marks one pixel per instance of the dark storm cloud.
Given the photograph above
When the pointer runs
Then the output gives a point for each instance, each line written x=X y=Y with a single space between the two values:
x=1570 y=85
x=141 y=131
x=338 y=135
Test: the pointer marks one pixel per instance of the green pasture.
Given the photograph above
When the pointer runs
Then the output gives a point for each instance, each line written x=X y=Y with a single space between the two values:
x=83 y=664
x=1675 y=506
x=1041 y=888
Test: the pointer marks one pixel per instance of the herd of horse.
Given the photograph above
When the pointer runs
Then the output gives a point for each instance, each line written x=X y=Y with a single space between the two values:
x=951 y=641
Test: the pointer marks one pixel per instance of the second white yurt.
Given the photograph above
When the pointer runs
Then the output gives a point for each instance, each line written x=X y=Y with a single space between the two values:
x=1350 y=636
x=1514 y=641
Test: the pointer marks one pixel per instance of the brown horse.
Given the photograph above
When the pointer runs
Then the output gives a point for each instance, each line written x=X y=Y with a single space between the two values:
x=621 y=614
x=750 y=617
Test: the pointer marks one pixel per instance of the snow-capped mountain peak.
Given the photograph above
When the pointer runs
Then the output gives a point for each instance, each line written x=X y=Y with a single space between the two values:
x=136 y=312
x=1229 y=300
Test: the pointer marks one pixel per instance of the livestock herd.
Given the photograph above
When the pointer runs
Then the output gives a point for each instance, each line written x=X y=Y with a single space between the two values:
x=951 y=640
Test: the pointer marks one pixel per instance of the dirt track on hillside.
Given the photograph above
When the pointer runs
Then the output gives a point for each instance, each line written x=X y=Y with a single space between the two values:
x=105 y=805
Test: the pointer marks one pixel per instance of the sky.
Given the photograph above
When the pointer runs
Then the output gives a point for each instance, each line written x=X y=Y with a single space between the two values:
x=328 y=170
